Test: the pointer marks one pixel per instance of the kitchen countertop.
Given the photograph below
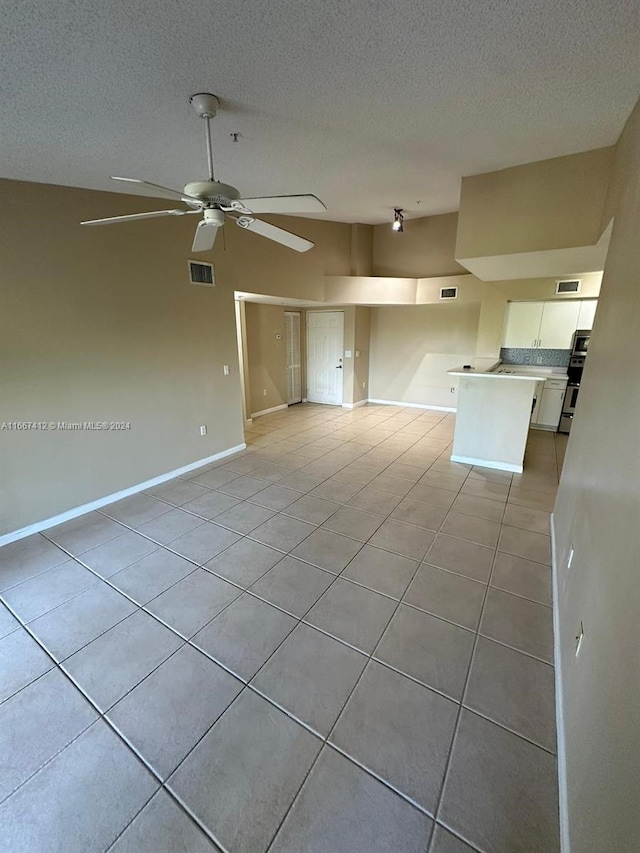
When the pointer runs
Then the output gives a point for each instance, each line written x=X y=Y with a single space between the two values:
x=497 y=370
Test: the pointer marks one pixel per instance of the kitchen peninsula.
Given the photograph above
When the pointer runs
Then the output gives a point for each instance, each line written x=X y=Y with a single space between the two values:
x=494 y=410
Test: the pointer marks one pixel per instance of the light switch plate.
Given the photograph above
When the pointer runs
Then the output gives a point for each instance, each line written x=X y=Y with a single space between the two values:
x=347 y=353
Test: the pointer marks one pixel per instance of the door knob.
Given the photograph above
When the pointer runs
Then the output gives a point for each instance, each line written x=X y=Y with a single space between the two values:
x=339 y=367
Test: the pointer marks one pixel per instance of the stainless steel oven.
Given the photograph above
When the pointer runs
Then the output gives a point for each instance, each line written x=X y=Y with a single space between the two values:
x=569 y=406
x=580 y=343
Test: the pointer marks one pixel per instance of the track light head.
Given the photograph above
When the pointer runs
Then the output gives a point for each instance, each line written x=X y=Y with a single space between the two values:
x=398 y=220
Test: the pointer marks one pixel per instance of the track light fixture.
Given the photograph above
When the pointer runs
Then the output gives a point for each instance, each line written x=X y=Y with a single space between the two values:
x=398 y=219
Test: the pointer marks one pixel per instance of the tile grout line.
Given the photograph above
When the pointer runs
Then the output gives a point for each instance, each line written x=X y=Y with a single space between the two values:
x=456 y=727
x=335 y=722
x=463 y=697
x=103 y=717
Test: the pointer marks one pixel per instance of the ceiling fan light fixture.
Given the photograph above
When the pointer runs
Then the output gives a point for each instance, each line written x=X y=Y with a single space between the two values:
x=398 y=220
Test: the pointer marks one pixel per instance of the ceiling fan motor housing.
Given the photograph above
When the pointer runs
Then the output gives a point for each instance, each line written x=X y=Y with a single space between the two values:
x=212 y=192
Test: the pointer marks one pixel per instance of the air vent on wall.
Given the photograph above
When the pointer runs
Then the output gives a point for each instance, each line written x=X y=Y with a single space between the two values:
x=568 y=285
x=448 y=293
x=201 y=273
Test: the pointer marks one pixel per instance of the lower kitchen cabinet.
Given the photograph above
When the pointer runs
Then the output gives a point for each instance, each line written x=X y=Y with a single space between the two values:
x=551 y=408
x=548 y=407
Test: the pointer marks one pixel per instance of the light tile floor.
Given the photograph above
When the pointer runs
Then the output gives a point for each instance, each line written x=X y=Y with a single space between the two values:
x=337 y=640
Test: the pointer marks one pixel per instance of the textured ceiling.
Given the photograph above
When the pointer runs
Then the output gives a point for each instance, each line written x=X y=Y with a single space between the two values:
x=368 y=104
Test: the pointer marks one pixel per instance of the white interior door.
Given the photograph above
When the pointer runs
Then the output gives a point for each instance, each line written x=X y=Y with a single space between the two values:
x=294 y=366
x=325 y=342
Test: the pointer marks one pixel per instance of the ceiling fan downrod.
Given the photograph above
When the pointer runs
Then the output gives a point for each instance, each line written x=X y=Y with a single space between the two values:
x=206 y=105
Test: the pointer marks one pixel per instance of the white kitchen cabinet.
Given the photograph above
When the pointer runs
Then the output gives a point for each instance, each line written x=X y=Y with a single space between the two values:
x=550 y=408
x=537 y=401
x=549 y=397
x=559 y=322
x=587 y=313
x=523 y=324
x=547 y=325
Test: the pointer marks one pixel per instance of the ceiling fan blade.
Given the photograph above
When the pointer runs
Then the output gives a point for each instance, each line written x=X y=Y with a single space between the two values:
x=272 y=232
x=205 y=236
x=166 y=191
x=281 y=204
x=131 y=217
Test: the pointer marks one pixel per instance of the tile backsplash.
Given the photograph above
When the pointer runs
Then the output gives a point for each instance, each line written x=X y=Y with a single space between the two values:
x=546 y=357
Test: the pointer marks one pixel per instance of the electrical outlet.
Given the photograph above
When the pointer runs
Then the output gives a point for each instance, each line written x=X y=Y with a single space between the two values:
x=579 y=639
x=226 y=370
x=357 y=353
x=203 y=429
x=364 y=384
x=538 y=361
x=347 y=353
x=264 y=392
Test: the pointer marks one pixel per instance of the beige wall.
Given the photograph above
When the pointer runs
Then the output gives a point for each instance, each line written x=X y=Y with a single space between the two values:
x=361 y=249
x=413 y=347
x=101 y=324
x=349 y=342
x=597 y=513
x=249 y=263
x=266 y=356
x=425 y=248
x=361 y=362
x=551 y=204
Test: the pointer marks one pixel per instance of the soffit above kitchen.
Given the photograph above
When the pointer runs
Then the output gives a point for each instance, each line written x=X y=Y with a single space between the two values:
x=370 y=106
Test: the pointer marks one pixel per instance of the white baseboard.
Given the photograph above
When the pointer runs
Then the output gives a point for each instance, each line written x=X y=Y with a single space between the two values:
x=116 y=496
x=355 y=405
x=565 y=843
x=499 y=466
x=269 y=411
x=412 y=405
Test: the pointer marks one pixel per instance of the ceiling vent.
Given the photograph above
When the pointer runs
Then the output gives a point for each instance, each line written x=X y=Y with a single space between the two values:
x=448 y=293
x=201 y=273
x=568 y=285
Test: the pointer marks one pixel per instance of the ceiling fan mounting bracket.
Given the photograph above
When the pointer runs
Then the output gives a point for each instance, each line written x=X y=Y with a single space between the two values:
x=205 y=104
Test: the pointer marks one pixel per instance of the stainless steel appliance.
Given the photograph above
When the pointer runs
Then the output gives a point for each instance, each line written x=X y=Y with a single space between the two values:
x=569 y=407
x=580 y=343
x=574 y=371
x=579 y=347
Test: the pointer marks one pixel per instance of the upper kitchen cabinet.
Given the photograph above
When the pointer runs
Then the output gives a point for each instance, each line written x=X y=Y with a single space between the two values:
x=559 y=322
x=587 y=313
x=547 y=325
x=523 y=324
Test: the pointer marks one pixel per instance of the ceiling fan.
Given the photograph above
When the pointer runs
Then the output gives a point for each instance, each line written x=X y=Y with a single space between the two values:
x=216 y=201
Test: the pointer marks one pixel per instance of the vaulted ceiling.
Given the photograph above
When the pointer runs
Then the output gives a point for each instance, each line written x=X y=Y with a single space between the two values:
x=370 y=105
